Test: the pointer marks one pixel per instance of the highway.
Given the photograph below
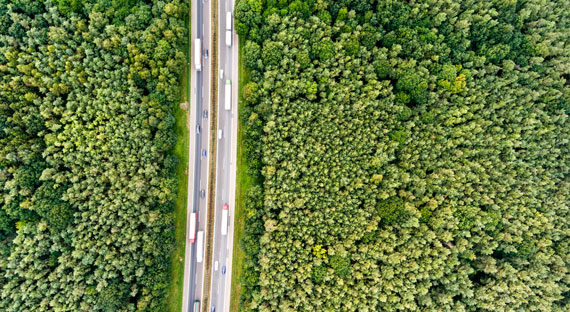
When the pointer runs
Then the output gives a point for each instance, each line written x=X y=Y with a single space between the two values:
x=226 y=146
x=225 y=162
x=199 y=141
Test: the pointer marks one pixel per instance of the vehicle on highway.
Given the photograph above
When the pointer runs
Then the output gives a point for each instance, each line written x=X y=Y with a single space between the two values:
x=206 y=54
x=228 y=38
x=192 y=234
x=228 y=95
x=196 y=306
x=205 y=114
x=197 y=129
x=203 y=153
x=197 y=56
x=225 y=211
x=216 y=266
x=224 y=269
x=229 y=29
x=213 y=309
x=221 y=74
x=228 y=20
x=202 y=193
x=219 y=133
x=200 y=247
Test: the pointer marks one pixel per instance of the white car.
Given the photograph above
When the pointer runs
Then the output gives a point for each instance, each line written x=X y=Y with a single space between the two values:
x=221 y=74
x=219 y=134
x=216 y=265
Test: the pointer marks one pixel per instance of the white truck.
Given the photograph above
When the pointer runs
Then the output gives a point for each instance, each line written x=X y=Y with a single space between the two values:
x=197 y=54
x=225 y=211
x=228 y=20
x=229 y=29
x=192 y=236
x=229 y=38
x=228 y=95
x=200 y=247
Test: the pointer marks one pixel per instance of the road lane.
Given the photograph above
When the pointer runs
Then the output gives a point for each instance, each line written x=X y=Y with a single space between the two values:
x=227 y=121
x=199 y=140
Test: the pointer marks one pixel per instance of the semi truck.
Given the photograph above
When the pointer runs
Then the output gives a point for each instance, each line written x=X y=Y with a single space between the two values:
x=229 y=38
x=229 y=29
x=228 y=95
x=225 y=211
x=228 y=20
x=192 y=237
x=200 y=247
x=197 y=54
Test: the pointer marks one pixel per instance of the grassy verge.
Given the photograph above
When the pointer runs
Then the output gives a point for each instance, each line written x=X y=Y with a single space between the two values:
x=243 y=183
x=174 y=297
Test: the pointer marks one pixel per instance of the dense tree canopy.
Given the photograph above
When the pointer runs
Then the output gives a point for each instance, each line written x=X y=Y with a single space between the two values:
x=410 y=155
x=86 y=179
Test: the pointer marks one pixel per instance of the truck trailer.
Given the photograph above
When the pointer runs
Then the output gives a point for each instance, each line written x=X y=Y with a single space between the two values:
x=228 y=20
x=228 y=95
x=192 y=235
x=197 y=54
x=228 y=38
x=225 y=212
x=229 y=29
x=200 y=247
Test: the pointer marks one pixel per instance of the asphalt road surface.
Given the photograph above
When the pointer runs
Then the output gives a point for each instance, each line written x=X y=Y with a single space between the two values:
x=199 y=138
x=225 y=167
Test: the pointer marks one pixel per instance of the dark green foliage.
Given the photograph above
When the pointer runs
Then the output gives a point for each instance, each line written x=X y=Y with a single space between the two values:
x=383 y=69
x=87 y=184
x=318 y=274
x=66 y=7
x=272 y=53
x=424 y=144
x=251 y=92
x=112 y=297
x=251 y=54
x=323 y=49
x=425 y=214
x=427 y=117
x=390 y=210
x=399 y=135
x=352 y=47
x=405 y=114
x=340 y=265
x=48 y=204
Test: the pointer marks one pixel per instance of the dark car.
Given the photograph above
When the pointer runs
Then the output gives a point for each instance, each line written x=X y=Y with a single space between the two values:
x=224 y=269
x=206 y=54
x=204 y=153
x=205 y=114
x=202 y=193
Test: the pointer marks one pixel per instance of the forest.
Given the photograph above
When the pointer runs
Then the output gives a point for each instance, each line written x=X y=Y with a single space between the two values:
x=87 y=178
x=407 y=155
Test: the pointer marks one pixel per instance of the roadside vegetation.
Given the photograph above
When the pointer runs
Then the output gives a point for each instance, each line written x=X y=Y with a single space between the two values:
x=243 y=183
x=181 y=113
x=405 y=155
x=88 y=174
